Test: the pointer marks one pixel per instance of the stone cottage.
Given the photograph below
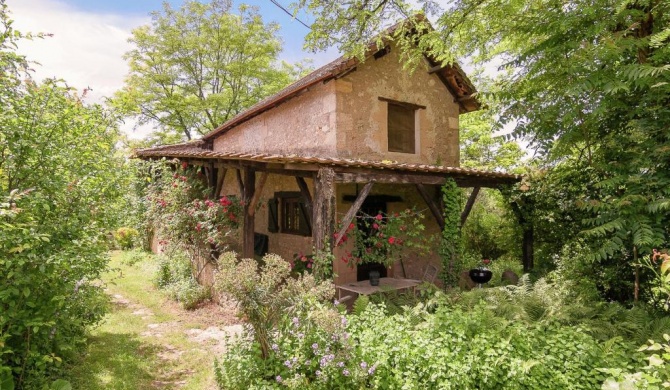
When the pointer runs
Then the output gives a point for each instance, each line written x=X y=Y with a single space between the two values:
x=366 y=133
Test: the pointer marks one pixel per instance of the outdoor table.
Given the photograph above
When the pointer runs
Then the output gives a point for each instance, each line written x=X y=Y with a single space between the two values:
x=385 y=284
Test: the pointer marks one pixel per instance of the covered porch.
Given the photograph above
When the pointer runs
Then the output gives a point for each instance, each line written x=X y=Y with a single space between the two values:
x=331 y=192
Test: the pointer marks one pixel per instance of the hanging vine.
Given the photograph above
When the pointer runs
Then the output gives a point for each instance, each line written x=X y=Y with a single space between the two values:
x=451 y=247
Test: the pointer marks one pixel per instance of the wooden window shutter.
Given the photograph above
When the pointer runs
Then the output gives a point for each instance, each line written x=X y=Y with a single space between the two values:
x=305 y=224
x=401 y=129
x=273 y=216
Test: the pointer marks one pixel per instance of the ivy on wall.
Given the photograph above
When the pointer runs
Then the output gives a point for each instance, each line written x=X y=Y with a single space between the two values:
x=451 y=246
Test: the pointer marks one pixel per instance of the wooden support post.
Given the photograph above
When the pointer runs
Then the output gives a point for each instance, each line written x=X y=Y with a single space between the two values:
x=324 y=209
x=257 y=193
x=353 y=210
x=240 y=183
x=249 y=186
x=306 y=197
x=434 y=208
x=219 y=183
x=527 y=248
x=212 y=180
x=468 y=205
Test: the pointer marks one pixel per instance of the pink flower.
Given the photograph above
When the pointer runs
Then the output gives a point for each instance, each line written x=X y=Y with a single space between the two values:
x=375 y=226
x=309 y=265
x=378 y=217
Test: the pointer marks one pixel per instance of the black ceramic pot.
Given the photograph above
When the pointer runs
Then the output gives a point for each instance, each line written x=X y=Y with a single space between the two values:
x=480 y=275
x=374 y=278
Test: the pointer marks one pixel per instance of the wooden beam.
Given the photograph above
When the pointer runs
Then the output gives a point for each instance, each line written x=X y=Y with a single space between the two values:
x=436 y=69
x=434 y=208
x=240 y=183
x=248 y=228
x=324 y=209
x=306 y=197
x=390 y=177
x=469 y=204
x=257 y=193
x=353 y=210
x=219 y=183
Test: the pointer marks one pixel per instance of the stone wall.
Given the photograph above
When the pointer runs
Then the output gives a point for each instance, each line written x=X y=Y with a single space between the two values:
x=362 y=117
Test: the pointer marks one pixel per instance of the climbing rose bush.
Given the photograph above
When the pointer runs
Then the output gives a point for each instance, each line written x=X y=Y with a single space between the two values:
x=179 y=205
x=382 y=238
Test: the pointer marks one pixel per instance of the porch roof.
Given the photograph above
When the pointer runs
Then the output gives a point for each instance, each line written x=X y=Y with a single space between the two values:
x=346 y=169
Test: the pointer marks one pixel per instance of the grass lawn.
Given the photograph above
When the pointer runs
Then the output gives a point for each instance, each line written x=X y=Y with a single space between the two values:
x=147 y=341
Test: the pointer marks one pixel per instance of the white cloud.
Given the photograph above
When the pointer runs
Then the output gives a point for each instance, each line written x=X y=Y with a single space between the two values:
x=86 y=49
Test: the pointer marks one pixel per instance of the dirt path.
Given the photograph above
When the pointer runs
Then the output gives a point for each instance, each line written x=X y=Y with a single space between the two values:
x=150 y=342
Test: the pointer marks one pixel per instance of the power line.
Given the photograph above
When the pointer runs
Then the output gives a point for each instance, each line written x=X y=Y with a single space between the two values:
x=289 y=13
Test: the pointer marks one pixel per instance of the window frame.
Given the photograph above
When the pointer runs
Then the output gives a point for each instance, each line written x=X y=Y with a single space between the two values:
x=415 y=123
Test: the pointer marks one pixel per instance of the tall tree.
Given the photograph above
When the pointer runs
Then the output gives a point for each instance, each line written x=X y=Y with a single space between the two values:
x=196 y=67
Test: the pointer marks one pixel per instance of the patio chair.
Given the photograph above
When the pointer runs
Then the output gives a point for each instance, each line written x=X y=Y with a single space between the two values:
x=430 y=274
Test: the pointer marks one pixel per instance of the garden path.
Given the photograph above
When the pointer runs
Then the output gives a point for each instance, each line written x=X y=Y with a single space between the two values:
x=148 y=341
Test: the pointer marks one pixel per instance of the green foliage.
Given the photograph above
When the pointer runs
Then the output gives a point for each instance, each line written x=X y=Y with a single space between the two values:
x=175 y=276
x=196 y=67
x=451 y=245
x=126 y=237
x=491 y=230
x=59 y=182
x=655 y=374
x=267 y=294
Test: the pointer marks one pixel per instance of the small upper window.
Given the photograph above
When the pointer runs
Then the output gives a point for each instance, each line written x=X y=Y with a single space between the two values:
x=401 y=128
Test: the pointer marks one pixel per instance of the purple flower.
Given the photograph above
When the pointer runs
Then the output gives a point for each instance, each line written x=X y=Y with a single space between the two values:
x=296 y=321
x=364 y=365
x=318 y=373
x=345 y=372
x=340 y=364
x=336 y=302
x=278 y=378
x=301 y=335
x=344 y=320
x=288 y=363
x=372 y=369
x=275 y=347
x=315 y=346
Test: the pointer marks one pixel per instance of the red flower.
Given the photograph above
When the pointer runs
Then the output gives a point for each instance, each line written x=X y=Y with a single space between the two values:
x=378 y=244
x=391 y=240
x=303 y=259
x=225 y=201
x=184 y=165
x=375 y=226
x=351 y=226
x=486 y=261
x=378 y=217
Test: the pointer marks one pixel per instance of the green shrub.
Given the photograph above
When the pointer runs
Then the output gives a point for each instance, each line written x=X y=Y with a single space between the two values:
x=268 y=294
x=126 y=237
x=655 y=374
x=174 y=276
